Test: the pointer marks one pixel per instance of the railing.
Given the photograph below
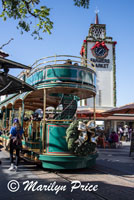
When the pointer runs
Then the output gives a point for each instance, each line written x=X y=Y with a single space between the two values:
x=60 y=59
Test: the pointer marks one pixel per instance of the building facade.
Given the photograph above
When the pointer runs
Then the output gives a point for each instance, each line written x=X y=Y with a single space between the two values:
x=100 y=49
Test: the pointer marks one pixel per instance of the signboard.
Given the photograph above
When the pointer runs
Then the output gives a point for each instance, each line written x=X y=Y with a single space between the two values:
x=132 y=144
x=101 y=63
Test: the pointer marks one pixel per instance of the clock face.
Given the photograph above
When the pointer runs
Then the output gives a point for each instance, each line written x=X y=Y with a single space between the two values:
x=99 y=51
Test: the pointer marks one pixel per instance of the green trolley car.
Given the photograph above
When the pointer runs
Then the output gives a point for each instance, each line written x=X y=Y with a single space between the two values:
x=59 y=82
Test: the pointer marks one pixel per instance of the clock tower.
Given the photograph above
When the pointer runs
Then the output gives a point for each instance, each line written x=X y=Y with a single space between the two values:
x=100 y=49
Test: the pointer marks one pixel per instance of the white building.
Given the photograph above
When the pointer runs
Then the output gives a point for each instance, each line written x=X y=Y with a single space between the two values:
x=100 y=49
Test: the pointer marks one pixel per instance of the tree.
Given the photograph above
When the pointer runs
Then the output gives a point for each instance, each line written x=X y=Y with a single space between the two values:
x=1 y=47
x=82 y=3
x=25 y=10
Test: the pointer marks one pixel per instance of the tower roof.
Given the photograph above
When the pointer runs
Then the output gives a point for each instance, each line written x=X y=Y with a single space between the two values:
x=96 y=18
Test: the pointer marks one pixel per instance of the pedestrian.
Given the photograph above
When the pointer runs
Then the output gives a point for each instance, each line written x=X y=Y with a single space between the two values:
x=101 y=140
x=126 y=132
x=110 y=139
x=113 y=139
x=121 y=132
x=16 y=133
x=129 y=134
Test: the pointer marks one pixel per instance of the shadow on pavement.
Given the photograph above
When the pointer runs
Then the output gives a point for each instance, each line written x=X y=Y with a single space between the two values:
x=80 y=189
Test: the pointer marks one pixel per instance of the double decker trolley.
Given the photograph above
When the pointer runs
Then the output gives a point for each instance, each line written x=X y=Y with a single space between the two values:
x=52 y=135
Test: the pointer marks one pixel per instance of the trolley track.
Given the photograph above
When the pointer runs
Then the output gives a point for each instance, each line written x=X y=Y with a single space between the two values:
x=95 y=193
x=98 y=194
x=124 y=177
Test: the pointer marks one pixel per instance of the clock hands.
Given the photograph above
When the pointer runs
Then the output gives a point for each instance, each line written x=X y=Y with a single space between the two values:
x=100 y=51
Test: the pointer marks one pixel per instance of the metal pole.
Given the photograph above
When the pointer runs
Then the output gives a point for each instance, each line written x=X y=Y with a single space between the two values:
x=22 y=113
x=10 y=119
x=44 y=121
x=20 y=109
x=94 y=110
x=5 y=118
x=12 y=113
x=55 y=58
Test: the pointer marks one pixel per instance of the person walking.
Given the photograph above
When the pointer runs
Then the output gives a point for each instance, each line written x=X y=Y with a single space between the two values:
x=16 y=133
x=121 y=132
x=126 y=132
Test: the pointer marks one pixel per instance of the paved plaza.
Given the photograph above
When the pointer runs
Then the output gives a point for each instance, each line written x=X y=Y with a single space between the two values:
x=113 y=177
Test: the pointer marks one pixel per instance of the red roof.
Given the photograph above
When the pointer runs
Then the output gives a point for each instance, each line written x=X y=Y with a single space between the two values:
x=123 y=113
x=126 y=109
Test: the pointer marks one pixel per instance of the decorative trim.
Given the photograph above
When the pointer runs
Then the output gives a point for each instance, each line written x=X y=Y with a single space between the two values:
x=114 y=74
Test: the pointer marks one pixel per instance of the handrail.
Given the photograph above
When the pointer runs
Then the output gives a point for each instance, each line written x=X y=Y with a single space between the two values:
x=56 y=59
x=83 y=60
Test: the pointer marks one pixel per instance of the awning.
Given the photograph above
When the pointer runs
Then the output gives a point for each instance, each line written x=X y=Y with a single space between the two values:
x=126 y=109
x=5 y=63
x=10 y=85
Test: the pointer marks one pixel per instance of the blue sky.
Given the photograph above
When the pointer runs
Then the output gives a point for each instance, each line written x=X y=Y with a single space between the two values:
x=71 y=25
